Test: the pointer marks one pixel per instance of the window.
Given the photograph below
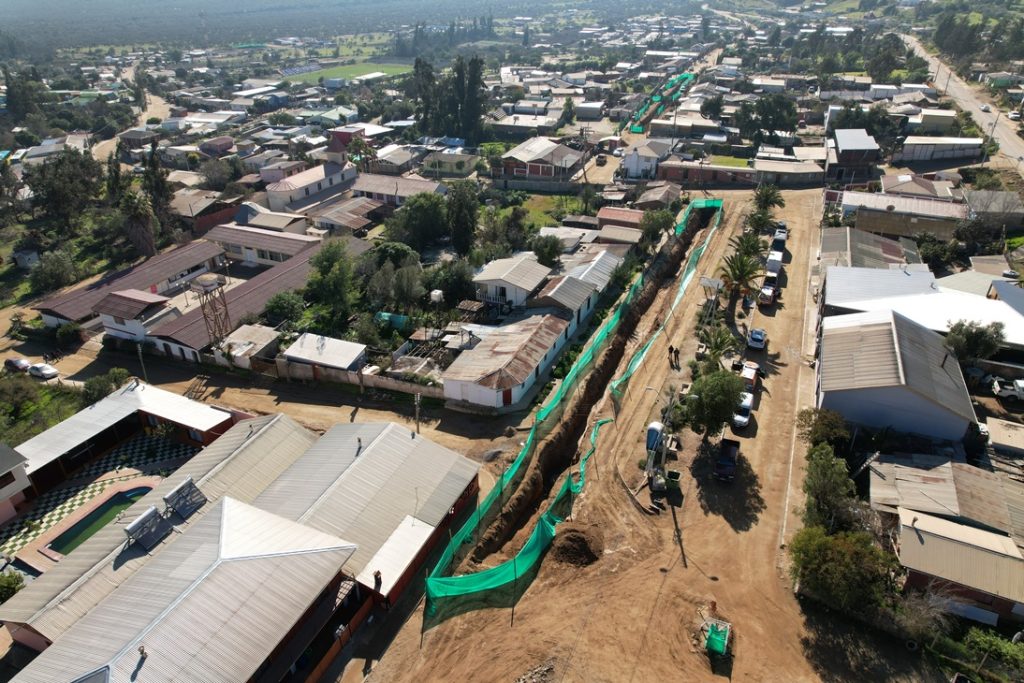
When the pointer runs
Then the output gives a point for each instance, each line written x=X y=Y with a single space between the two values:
x=263 y=254
x=195 y=435
x=330 y=181
x=319 y=186
x=7 y=479
x=152 y=420
x=307 y=191
x=119 y=321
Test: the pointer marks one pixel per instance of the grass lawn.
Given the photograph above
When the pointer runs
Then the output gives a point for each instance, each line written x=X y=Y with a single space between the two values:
x=351 y=71
x=545 y=209
x=38 y=407
x=1014 y=240
x=723 y=160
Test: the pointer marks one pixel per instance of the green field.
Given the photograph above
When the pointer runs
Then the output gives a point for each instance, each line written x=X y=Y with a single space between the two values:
x=351 y=71
x=723 y=160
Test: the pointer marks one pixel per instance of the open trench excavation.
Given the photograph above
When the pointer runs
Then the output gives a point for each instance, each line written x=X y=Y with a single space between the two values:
x=559 y=450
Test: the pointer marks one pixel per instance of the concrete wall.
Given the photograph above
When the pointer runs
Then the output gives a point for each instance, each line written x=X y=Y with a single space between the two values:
x=896 y=407
x=128 y=329
x=305 y=372
x=905 y=225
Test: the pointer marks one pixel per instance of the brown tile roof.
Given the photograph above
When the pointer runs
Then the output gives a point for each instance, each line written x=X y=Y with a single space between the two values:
x=128 y=303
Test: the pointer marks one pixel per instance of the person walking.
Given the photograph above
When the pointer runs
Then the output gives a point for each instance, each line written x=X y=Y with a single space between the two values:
x=676 y=352
x=671 y=356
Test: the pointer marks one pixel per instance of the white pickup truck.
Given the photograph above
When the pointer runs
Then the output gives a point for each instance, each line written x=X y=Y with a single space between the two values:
x=1011 y=391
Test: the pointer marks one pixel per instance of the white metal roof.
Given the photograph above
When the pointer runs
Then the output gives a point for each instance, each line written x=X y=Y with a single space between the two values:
x=129 y=399
x=566 y=291
x=844 y=285
x=520 y=271
x=598 y=271
x=327 y=351
x=396 y=554
x=965 y=555
x=211 y=607
x=852 y=139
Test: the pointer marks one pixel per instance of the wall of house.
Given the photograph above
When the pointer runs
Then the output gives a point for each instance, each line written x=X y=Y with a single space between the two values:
x=124 y=328
x=1001 y=607
x=175 y=350
x=305 y=372
x=12 y=493
x=514 y=296
x=636 y=166
x=27 y=636
x=896 y=407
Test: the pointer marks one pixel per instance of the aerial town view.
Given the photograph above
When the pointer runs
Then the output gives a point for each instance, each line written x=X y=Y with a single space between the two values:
x=584 y=341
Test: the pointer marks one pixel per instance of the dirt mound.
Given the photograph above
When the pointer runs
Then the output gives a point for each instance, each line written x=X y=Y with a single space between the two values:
x=539 y=674
x=578 y=545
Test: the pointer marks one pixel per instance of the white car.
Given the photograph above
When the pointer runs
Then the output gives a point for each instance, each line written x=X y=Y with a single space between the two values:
x=43 y=370
x=757 y=338
x=985 y=107
x=741 y=418
x=1013 y=115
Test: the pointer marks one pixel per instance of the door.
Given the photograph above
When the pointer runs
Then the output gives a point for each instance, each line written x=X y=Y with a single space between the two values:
x=506 y=397
x=250 y=255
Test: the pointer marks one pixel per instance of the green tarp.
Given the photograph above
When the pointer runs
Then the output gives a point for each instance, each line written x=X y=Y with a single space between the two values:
x=718 y=639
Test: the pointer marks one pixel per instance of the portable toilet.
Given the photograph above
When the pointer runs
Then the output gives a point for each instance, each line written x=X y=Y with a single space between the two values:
x=655 y=430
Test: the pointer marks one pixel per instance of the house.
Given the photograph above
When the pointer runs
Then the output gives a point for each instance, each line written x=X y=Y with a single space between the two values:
x=658 y=195
x=997 y=208
x=129 y=313
x=164 y=273
x=248 y=342
x=641 y=160
x=256 y=246
x=320 y=351
x=705 y=173
x=199 y=209
x=1001 y=79
x=188 y=335
x=982 y=570
x=912 y=185
x=505 y=364
x=255 y=216
x=254 y=163
x=330 y=118
x=449 y=164
x=922 y=148
x=394 y=160
x=932 y=122
x=851 y=153
x=13 y=482
x=541 y=159
x=268 y=499
x=590 y=111
x=572 y=297
x=218 y=146
x=623 y=218
x=393 y=191
x=510 y=281
x=310 y=187
x=897 y=215
x=50 y=457
x=279 y=169
x=788 y=173
x=859 y=249
x=880 y=369
x=349 y=216
x=138 y=138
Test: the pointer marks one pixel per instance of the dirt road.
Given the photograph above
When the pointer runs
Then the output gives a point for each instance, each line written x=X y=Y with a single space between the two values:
x=970 y=99
x=632 y=615
x=156 y=106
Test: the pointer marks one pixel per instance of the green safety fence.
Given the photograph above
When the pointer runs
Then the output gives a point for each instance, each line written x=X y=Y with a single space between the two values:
x=442 y=588
x=547 y=418
x=636 y=129
x=688 y=273
x=656 y=98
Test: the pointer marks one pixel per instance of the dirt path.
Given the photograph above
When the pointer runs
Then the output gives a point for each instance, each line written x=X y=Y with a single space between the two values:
x=631 y=615
x=156 y=106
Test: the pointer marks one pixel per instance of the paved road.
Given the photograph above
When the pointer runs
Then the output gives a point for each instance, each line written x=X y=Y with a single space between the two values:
x=970 y=99
x=155 y=106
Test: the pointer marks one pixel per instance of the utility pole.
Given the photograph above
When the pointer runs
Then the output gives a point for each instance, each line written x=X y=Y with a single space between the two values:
x=419 y=396
x=138 y=347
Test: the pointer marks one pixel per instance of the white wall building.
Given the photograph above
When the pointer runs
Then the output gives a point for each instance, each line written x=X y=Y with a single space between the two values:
x=510 y=281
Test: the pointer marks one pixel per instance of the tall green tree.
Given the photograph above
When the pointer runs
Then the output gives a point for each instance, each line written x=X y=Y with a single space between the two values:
x=65 y=185
x=462 y=205
x=139 y=223
x=749 y=244
x=420 y=222
x=768 y=197
x=548 y=249
x=971 y=341
x=711 y=402
x=115 y=181
x=655 y=222
x=829 y=491
x=155 y=185
x=712 y=107
x=739 y=274
x=846 y=570
x=10 y=186
x=331 y=283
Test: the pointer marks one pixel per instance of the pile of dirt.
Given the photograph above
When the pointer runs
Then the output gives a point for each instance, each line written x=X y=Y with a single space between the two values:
x=578 y=545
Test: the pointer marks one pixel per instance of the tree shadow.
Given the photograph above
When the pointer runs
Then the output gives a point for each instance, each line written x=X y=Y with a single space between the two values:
x=839 y=649
x=738 y=502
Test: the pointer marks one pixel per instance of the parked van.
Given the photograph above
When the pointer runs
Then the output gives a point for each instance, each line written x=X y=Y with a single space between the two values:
x=751 y=376
x=774 y=265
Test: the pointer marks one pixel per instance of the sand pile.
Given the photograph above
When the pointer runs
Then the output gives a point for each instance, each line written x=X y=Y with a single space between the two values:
x=578 y=544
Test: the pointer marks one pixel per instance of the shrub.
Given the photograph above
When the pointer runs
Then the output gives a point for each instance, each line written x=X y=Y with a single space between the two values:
x=10 y=583
x=68 y=335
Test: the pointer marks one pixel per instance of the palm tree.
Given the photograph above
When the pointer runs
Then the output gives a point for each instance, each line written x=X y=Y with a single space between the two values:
x=358 y=147
x=739 y=274
x=718 y=341
x=139 y=222
x=749 y=244
x=767 y=197
x=759 y=221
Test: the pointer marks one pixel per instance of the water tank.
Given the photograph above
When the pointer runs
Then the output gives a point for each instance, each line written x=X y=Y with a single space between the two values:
x=207 y=282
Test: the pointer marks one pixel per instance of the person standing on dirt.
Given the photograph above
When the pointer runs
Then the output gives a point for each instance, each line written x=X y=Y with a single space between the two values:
x=671 y=356
x=676 y=353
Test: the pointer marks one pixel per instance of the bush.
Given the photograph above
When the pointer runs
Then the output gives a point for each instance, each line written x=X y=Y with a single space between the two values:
x=10 y=583
x=55 y=269
x=68 y=335
x=846 y=571
x=284 y=307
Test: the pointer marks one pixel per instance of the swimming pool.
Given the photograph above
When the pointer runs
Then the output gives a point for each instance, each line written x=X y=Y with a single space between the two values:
x=81 y=530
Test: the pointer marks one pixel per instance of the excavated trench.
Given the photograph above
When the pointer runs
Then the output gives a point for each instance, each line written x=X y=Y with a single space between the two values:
x=559 y=450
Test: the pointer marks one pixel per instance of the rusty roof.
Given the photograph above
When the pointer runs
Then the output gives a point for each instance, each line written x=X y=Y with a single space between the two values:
x=128 y=303
x=507 y=356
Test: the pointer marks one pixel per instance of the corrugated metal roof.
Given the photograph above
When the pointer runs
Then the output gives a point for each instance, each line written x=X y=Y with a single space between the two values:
x=242 y=461
x=247 y=298
x=566 y=291
x=365 y=494
x=9 y=458
x=597 y=271
x=629 y=218
x=507 y=357
x=919 y=482
x=620 y=234
x=970 y=557
x=68 y=435
x=519 y=271
x=913 y=206
x=846 y=285
x=395 y=555
x=127 y=304
x=854 y=139
x=387 y=185
x=210 y=607
x=969 y=281
x=258 y=238
x=306 y=178
x=78 y=304
x=860 y=249
x=543 y=150
x=883 y=349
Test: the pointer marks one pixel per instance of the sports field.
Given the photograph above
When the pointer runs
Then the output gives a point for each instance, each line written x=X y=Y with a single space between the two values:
x=350 y=71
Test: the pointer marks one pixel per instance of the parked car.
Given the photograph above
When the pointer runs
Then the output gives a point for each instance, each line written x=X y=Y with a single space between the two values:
x=750 y=373
x=728 y=456
x=17 y=364
x=757 y=338
x=1011 y=391
x=617 y=152
x=741 y=418
x=1013 y=115
x=985 y=107
x=602 y=159
x=774 y=263
x=1011 y=273
x=769 y=291
x=43 y=370
x=781 y=233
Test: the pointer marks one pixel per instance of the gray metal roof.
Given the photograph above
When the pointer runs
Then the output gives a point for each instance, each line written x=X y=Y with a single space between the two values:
x=242 y=461
x=210 y=607
x=520 y=271
x=506 y=357
x=884 y=349
x=363 y=495
x=9 y=458
x=599 y=270
x=860 y=249
x=847 y=285
x=257 y=238
x=854 y=139
x=566 y=291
